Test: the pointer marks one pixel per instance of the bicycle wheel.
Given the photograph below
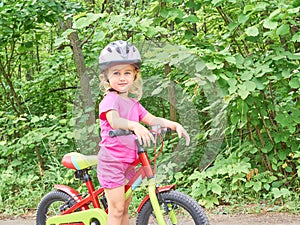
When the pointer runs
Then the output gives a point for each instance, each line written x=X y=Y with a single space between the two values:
x=178 y=209
x=52 y=204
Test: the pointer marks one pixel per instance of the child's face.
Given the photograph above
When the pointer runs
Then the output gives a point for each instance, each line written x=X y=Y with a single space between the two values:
x=121 y=77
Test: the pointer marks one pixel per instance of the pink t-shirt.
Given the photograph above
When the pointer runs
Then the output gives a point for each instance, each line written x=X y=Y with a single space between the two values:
x=121 y=148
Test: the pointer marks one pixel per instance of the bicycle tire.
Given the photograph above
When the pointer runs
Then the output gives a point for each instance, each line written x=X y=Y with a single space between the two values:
x=50 y=205
x=187 y=210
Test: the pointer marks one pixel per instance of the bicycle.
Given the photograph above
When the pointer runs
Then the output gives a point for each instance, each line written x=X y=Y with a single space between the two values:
x=163 y=204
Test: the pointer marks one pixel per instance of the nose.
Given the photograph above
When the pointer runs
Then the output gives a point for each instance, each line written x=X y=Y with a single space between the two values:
x=122 y=76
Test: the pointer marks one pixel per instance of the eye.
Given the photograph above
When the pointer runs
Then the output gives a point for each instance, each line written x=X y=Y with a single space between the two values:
x=116 y=73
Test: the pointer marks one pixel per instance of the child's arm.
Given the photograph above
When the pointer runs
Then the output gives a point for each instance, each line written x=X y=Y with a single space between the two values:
x=151 y=120
x=117 y=122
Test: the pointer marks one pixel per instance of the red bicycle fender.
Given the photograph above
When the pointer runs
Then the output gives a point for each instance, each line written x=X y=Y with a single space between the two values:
x=68 y=190
x=72 y=192
x=160 y=189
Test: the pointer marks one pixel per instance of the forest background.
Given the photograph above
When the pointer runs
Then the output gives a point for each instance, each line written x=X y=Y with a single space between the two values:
x=228 y=70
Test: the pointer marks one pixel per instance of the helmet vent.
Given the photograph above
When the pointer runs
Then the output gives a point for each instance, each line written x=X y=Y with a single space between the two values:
x=118 y=49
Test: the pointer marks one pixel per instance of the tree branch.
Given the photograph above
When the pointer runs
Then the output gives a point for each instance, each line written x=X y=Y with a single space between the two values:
x=62 y=89
x=90 y=35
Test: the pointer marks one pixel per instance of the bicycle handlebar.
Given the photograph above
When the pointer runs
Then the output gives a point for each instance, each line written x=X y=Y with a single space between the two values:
x=119 y=132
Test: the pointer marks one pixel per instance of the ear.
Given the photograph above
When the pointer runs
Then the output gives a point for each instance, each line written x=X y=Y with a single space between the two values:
x=105 y=76
x=136 y=71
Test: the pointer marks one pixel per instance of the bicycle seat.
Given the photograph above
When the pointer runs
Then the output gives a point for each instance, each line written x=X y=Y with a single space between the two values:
x=77 y=161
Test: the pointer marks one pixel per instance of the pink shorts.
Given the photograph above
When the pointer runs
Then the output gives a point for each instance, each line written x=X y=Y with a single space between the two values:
x=112 y=174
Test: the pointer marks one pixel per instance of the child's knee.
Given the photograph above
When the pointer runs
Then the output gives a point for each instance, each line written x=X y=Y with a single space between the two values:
x=118 y=209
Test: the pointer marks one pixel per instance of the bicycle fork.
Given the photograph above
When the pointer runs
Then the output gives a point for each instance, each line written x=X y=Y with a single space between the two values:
x=159 y=214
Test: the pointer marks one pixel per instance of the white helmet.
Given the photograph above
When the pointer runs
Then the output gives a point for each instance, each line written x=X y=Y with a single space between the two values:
x=119 y=52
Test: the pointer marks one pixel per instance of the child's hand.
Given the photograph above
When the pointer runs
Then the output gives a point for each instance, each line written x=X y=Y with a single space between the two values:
x=182 y=133
x=143 y=135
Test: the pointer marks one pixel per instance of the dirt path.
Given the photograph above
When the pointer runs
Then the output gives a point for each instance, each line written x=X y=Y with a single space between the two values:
x=253 y=219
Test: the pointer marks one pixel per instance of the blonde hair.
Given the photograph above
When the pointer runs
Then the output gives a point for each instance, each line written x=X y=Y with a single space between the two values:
x=135 y=90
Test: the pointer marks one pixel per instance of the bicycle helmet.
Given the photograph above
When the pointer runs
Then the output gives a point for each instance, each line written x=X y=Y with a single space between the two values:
x=119 y=52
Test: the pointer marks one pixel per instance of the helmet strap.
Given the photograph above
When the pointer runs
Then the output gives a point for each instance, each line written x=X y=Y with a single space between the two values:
x=118 y=92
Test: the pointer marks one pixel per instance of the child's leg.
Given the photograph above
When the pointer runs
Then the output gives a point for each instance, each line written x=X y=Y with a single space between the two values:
x=116 y=205
x=125 y=220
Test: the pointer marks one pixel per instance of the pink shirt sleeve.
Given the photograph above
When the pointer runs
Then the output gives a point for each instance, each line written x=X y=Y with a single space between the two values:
x=108 y=103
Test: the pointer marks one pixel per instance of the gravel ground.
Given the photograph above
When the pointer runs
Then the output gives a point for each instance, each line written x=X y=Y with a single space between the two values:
x=250 y=219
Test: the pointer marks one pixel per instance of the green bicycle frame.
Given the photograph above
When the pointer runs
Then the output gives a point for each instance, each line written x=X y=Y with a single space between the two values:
x=87 y=216
x=154 y=202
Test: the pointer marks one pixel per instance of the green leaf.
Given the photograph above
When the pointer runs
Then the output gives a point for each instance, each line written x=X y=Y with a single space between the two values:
x=250 y=85
x=239 y=60
x=191 y=19
x=145 y=23
x=81 y=23
x=252 y=31
x=232 y=89
x=276 y=192
x=283 y=29
x=267 y=186
x=268 y=148
x=67 y=32
x=293 y=56
x=295 y=82
x=286 y=74
x=242 y=18
x=247 y=75
x=258 y=83
x=157 y=90
x=98 y=36
x=94 y=16
x=216 y=188
x=261 y=6
x=275 y=13
x=200 y=66
x=294 y=10
x=248 y=8
x=86 y=21
x=285 y=192
x=257 y=186
x=243 y=93
x=270 y=24
x=230 y=59
x=216 y=2
x=282 y=155
x=296 y=37
x=59 y=41
x=211 y=66
x=232 y=82
x=35 y=119
x=232 y=26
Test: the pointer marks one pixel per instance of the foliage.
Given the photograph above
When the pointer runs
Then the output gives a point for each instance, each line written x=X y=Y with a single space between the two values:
x=233 y=180
x=234 y=66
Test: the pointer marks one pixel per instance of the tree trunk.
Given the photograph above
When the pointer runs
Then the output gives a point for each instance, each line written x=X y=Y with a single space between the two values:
x=172 y=96
x=87 y=104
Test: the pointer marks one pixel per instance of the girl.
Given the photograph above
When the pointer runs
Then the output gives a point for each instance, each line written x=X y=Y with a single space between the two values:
x=119 y=63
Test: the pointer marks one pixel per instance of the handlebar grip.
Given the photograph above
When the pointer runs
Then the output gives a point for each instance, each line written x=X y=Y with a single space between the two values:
x=119 y=132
